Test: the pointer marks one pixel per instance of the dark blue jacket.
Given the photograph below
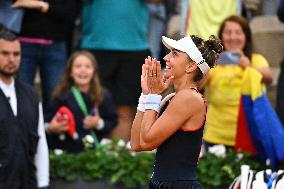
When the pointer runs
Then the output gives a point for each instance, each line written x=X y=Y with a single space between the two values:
x=107 y=112
x=18 y=139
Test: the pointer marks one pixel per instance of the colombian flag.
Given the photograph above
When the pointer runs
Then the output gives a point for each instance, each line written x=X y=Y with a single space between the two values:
x=259 y=130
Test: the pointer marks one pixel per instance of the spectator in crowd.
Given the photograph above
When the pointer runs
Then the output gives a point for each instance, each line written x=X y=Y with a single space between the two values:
x=160 y=14
x=176 y=128
x=156 y=27
x=203 y=17
x=280 y=83
x=119 y=42
x=90 y=105
x=23 y=149
x=224 y=82
x=9 y=17
x=251 y=8
x=44 y=33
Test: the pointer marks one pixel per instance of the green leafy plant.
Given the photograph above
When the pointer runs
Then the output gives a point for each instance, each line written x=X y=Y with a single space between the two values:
x=215 y=170
x=116 y=162
x=112 y=161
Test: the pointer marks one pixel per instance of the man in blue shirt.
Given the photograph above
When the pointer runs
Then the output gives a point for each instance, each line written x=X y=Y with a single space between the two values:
x=117 y=36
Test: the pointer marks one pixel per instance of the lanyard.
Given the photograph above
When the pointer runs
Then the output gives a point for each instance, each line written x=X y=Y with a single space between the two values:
x=82 y=105
x=79 y=99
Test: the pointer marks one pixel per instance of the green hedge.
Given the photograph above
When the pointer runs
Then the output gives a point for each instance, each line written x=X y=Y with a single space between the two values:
x=114 y=161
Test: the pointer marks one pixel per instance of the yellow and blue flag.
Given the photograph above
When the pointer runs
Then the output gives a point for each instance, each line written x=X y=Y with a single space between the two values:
x=259 y=130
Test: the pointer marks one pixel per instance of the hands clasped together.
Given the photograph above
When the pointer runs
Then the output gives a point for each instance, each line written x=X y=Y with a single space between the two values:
x=152 y=79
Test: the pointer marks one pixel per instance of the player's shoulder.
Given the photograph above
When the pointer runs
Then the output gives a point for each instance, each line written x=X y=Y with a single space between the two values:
x=189 y=96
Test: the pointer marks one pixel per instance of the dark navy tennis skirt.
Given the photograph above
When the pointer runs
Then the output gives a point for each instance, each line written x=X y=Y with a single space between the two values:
x=175 y=185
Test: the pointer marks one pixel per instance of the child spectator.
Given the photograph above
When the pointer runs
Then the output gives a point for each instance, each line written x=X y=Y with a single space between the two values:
x=92 y=107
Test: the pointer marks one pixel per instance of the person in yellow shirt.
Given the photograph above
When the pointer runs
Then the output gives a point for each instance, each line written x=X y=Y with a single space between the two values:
x=203 y=17
x=223 y=86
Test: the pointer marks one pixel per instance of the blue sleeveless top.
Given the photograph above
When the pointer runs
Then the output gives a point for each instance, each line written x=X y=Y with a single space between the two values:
x=177 y=158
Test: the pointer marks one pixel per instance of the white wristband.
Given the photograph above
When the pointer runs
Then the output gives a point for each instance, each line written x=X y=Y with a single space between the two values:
x=152 y=102
x=141 y=105
x=46 y=127
x=101 y=124
x=155 y=107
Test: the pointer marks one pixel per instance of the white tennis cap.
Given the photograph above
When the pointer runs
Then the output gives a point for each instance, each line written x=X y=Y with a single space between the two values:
x=187 y=45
